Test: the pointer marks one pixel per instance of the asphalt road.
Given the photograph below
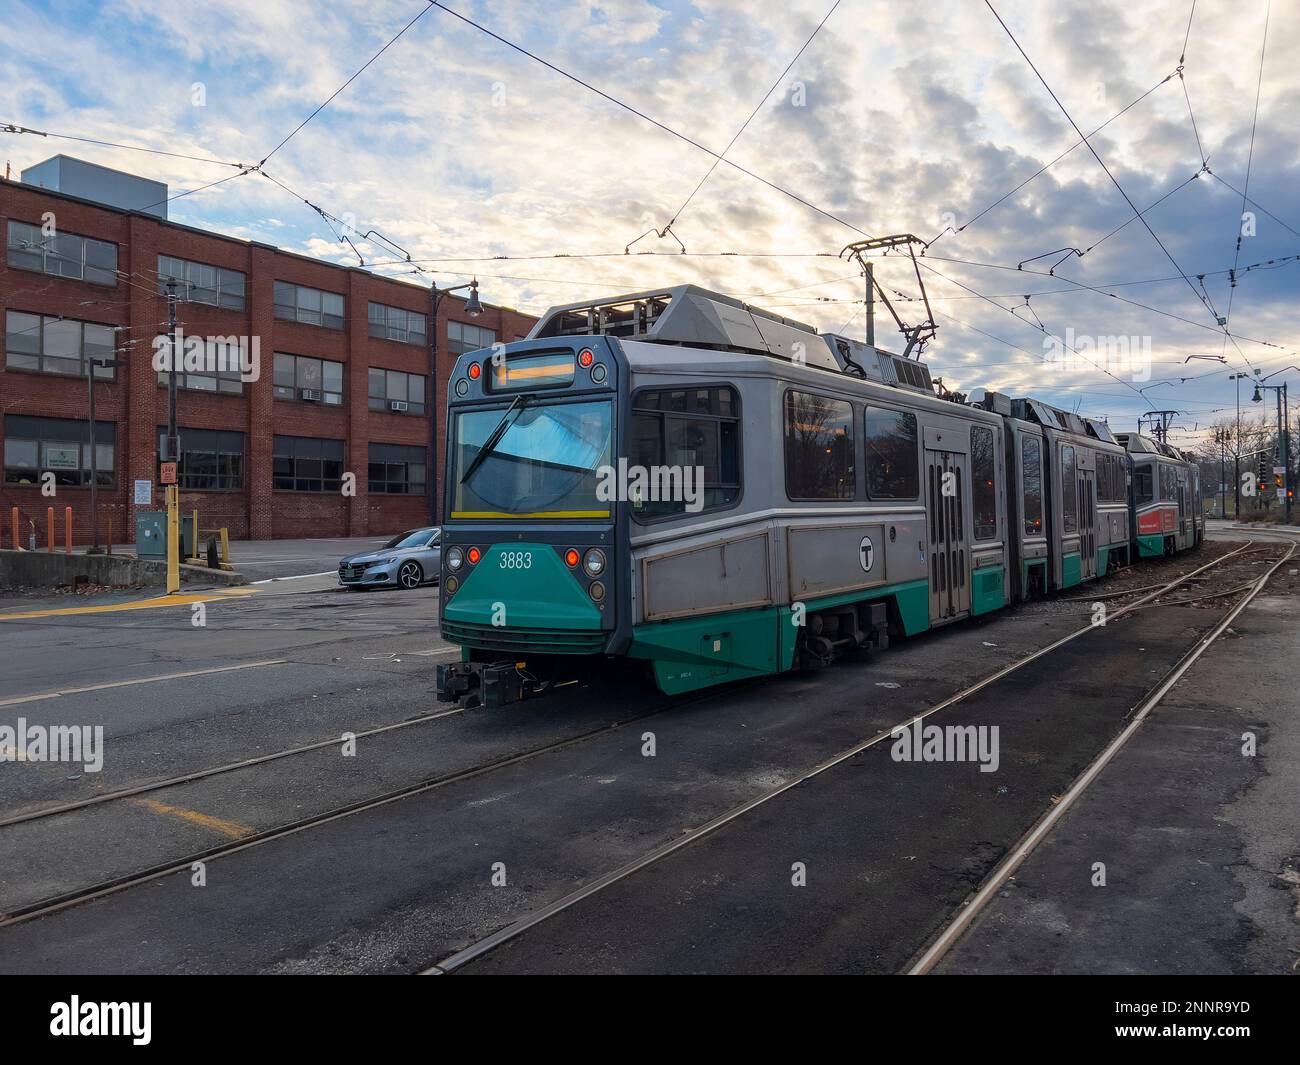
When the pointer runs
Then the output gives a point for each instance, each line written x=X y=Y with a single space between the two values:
x=889 y=849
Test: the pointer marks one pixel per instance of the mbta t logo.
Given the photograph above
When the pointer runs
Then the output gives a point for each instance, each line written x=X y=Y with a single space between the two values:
x=866 y=554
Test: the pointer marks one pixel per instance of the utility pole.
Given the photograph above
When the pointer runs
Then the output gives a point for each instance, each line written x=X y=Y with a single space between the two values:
x=1283 y=433
x=1236 y=453
x=473 y=308
x=173 y=453
x=173 y=437
x=870 y=270
x=94 y=464
x=1221 y=438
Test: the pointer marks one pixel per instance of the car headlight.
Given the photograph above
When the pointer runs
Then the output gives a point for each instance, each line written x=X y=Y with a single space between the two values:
x=455 y=557
x=594 y=562
x=386 y=562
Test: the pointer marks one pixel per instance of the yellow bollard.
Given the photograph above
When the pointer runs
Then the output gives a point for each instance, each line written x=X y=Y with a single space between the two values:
x=173 y=541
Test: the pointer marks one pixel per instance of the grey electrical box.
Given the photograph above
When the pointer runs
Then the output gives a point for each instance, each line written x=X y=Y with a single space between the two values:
x=151 y=534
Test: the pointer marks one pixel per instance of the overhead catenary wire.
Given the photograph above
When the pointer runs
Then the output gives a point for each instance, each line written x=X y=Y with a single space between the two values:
x=1047 y=166
x=745 y=125
x=1102 y=163
x=1250 y=155
x=360 y=70
x=974 y=293
x=644 y=117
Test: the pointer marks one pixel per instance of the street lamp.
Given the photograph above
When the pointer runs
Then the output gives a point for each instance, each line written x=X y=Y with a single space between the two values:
x=473 y=308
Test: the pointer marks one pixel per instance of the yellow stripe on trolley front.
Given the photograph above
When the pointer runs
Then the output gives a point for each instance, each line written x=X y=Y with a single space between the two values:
x=534 y=514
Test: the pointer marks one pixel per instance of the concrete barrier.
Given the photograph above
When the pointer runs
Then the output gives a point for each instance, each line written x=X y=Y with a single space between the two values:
x=44 y=569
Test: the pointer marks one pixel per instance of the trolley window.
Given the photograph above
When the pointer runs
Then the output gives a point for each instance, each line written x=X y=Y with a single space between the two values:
x=1143 y=484
x=893 y=471
x=530 y=460
x=1031 y=483
x=1168 y=482
x=688 y=442
x=818 y=447
x=1069 y=492
x=983 y=489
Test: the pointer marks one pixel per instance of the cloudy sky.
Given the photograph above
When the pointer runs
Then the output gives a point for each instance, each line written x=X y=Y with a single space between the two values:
x=898 y=117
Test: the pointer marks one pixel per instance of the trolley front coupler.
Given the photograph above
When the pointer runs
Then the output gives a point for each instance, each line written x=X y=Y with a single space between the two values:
x=480 y=683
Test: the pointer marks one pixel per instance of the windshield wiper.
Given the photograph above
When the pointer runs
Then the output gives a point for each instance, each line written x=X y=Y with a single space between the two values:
x=494 y=438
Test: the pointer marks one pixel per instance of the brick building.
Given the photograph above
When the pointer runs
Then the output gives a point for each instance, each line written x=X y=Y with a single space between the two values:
x=343 y=383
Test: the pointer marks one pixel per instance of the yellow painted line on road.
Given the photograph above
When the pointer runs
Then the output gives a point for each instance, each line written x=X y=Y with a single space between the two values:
x=229 y=829
x=135 y=604
x=138 y=680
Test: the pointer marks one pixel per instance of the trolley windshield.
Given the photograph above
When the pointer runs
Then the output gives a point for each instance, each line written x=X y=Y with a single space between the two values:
x=543 y=463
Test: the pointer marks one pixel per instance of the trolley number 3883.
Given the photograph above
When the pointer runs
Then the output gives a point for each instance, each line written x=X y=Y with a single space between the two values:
x=516 y=560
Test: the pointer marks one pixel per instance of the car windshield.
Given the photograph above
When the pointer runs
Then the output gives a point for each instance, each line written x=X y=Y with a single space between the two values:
x=544 y=465
x=415 y=538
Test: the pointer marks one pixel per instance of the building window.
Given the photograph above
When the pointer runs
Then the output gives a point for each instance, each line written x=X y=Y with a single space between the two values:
x=984 y=494
x=691 y=428
x=221 y=361
x=1069 y=492
x=1031 y=484
x=61 y=446
x=462 y=337
x=200 y=283
x=295 y=303
x=395 y=323
x=62 y=254
x=818 y=447
x=396 y=469
x=314 y=380
x=893 y=470
x=306 y=464
x=212 y=460
x=58 y=345
x=392 y=390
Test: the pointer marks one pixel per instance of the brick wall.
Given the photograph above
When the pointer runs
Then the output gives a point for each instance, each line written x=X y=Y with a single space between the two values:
x=138 y=405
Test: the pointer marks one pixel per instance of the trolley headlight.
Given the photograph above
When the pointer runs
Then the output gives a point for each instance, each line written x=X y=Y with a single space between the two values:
x=450 y=585
x=455 y=558
x=596 y=590
x=594 y=562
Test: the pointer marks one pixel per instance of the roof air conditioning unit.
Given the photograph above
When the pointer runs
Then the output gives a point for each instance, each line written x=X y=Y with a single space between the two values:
x=398 y=404
x=310 y=393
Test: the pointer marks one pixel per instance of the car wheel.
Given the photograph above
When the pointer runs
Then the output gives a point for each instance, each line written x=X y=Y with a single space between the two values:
x=410 y=575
